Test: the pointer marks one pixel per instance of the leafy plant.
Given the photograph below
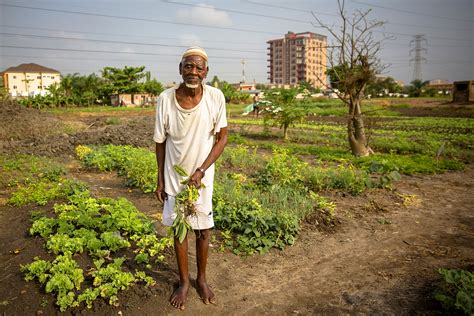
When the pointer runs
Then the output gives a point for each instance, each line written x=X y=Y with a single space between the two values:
x=44 y=190
x=99 y=227
x=458 y=291
x=184 y=206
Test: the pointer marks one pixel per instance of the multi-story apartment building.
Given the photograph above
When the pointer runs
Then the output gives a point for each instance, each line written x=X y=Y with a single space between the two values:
x=29 y=79
x=298 y=57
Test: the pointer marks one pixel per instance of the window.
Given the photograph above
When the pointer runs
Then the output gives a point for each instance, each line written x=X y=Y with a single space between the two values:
x=52 y=77
x=38 y=77
x=15 y=87
x=40 y=87
x=14 y=77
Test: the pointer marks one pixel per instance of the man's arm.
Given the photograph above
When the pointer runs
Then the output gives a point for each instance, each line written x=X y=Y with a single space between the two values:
x=160 y=161
x=216 y=151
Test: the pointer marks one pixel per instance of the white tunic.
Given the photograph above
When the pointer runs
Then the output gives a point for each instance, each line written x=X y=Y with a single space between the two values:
x=189 y=134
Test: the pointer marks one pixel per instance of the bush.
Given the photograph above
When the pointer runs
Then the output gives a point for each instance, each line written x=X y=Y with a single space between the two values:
x=458 y=291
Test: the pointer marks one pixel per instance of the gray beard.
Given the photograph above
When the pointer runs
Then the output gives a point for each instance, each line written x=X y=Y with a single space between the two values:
x=191 y=86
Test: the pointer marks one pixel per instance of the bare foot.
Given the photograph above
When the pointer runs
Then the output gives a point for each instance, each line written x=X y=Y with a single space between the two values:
x=178 y=298
x=207 y=296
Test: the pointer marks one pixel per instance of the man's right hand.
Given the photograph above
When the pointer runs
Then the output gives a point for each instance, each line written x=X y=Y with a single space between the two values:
x=161 y=194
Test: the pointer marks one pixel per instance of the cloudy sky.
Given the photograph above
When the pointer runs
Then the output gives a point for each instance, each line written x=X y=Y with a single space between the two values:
x=84 y=36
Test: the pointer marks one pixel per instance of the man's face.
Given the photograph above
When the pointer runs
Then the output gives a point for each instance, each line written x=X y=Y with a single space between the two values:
x=193 y=69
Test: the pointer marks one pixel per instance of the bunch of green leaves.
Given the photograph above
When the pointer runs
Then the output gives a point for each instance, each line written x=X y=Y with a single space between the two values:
x=184 y=206
x=458 y=291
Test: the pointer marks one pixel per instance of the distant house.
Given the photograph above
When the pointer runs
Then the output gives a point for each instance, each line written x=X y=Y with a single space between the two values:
x=131 y=100
x=29 y=79
x=441 y=86
x=463 y=91
x=245 y=86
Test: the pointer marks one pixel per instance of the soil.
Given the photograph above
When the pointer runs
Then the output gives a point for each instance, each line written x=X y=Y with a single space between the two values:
x=381 y=258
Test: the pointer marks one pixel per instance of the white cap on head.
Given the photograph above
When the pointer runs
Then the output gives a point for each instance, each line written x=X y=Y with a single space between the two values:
x=196 y=51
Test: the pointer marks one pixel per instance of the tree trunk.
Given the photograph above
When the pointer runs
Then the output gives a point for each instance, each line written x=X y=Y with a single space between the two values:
x=285 y=132
x=356 y=131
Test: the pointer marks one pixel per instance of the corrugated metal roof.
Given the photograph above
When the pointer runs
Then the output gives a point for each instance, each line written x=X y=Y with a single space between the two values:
x=30 y=68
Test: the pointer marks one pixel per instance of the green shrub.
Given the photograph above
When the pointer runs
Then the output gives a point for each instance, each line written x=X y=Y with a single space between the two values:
x=43 y=190
x=98 y=227
x=138 y=165
x=458 y=291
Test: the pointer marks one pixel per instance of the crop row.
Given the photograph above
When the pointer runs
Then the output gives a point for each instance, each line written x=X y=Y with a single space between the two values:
x=86 y=229
x=259 y=200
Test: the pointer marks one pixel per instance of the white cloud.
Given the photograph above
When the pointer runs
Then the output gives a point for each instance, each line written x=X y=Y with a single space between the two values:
x=190 y=40
x=204 y=14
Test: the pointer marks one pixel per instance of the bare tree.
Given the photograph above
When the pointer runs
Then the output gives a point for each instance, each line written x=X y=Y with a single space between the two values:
x=352 y=65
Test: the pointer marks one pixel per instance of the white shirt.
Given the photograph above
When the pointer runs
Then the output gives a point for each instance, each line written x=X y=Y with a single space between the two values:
x=189 y=134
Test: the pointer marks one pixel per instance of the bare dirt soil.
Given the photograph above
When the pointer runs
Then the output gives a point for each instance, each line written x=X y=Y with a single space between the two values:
x=381 y=259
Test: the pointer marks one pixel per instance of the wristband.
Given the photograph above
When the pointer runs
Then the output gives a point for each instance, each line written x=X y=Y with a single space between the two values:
x=202 y=170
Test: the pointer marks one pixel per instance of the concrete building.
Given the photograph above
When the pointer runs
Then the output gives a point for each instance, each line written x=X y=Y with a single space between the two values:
x=463 y=91
x=133 y=99
x=29 y=79
x=441 y=86
x=298 y=57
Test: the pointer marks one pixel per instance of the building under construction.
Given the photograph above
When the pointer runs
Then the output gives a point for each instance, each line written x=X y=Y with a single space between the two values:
x=298 y=57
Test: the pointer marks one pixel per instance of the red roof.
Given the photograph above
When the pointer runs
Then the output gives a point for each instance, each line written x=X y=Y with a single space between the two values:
x=30 y=68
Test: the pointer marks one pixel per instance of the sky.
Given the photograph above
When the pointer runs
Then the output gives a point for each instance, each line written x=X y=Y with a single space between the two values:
x=84 y=36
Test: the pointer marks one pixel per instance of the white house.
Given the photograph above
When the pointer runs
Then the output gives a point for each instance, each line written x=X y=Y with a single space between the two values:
x=29 y=79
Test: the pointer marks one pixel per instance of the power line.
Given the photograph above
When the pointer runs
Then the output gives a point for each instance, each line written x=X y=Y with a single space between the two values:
x=111 y=59
x=237 y=11
x=329 y=14
x=289 y=8
x=107 y=51
x=123 y=42
x=411 y=12
x=122 y=35
x=134 y=18
x=202 y=25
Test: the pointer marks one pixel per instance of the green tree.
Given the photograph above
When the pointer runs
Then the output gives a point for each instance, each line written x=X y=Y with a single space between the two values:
x=126 y=80
x=231 y=94
x=56 y=94
x=285 y=109
x=417 y=88
x=382 y=86
x=308 y=86
x=353 y=64
x=67 y=85
x=152 y=86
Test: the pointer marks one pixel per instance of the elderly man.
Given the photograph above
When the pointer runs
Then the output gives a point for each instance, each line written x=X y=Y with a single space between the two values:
x=190 y=131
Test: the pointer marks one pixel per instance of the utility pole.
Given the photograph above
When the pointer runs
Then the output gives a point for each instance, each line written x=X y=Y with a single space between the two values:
x=417 y=49
x=243 y=70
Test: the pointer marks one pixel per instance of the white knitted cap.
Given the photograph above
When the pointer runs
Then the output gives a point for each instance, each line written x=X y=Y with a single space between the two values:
x=196 y=51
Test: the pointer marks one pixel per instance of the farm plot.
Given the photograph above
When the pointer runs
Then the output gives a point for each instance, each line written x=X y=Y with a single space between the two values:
x=314 y=229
